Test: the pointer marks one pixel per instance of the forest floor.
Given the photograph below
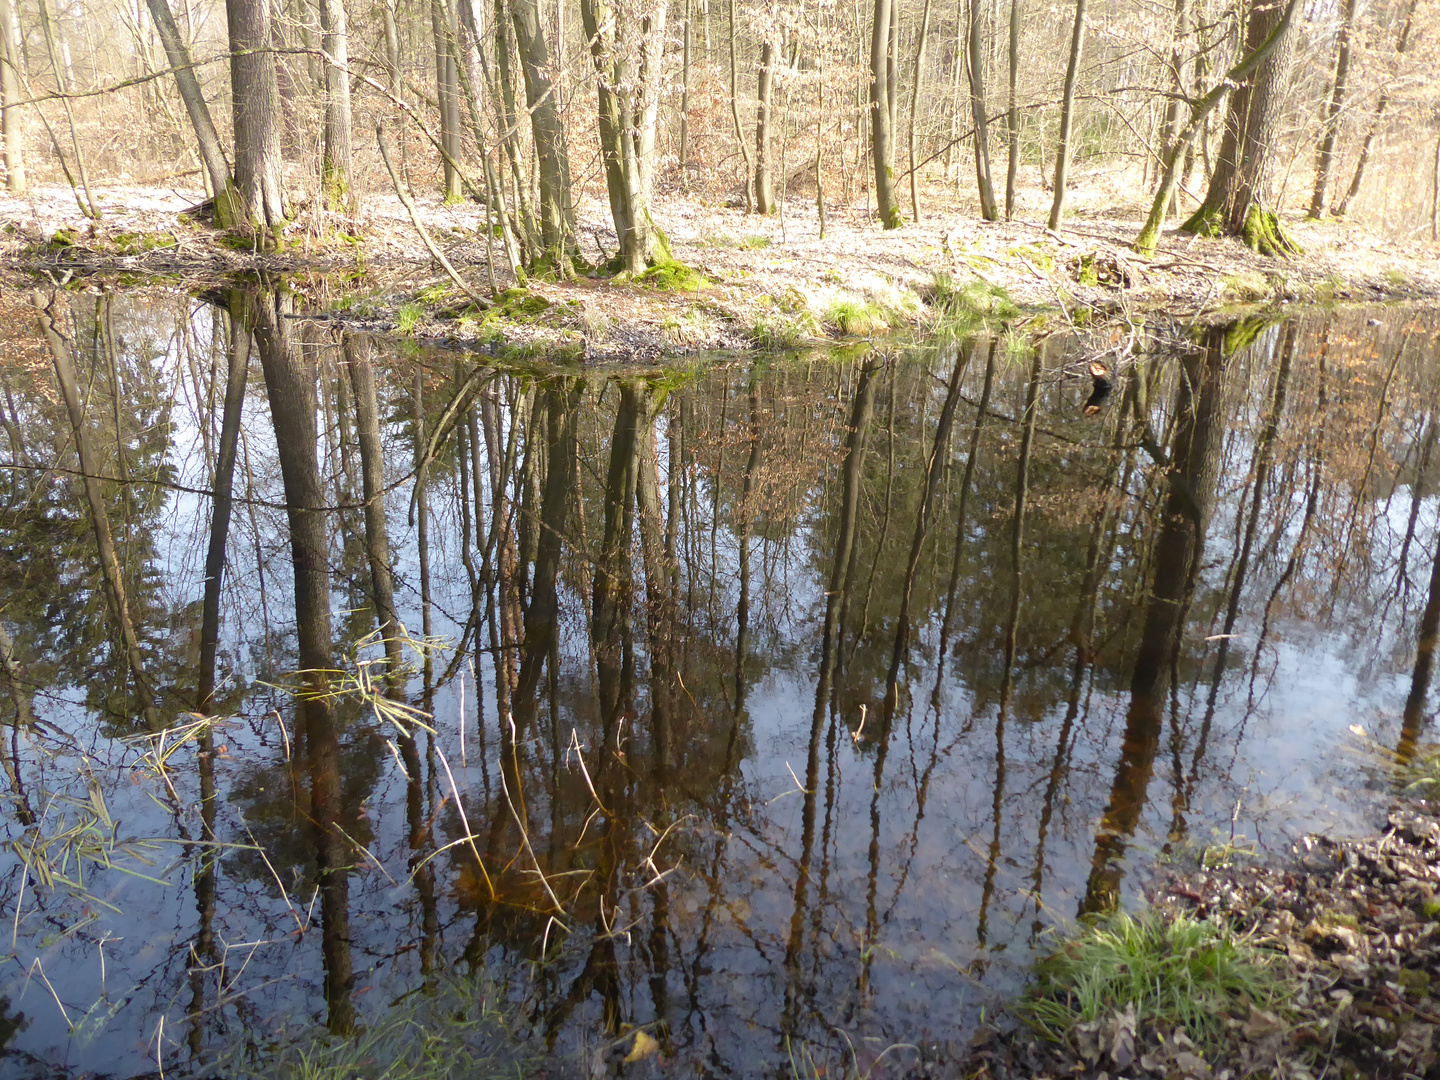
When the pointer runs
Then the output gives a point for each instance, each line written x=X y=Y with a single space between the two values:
x=767 y=281
x=1351 y=930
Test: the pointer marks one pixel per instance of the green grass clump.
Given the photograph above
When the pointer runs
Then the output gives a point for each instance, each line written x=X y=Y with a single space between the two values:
x=673 y=276
x=408 y=317
x=858 y=317
x=1178 y=972
x=971 y=305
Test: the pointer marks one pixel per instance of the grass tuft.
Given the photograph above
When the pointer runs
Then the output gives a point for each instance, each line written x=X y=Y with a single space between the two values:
x=969 y=306
x=408 y=317
x=858 y=317
x=1179 y=973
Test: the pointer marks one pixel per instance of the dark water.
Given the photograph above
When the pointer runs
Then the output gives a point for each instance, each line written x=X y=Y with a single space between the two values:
x=772 y=704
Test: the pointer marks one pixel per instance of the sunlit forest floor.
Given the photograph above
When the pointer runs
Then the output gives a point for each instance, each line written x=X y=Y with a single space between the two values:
x=766 y=281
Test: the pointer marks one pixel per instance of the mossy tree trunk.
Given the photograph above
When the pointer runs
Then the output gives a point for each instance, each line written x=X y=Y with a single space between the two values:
x=335 y=185
x=1246 y=66
x=1235 y=203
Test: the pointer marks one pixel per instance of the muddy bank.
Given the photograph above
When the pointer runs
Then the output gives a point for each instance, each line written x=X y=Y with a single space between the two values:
x=757 y=282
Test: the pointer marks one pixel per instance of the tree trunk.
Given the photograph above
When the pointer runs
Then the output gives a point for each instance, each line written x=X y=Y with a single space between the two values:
x=882 y=129
x=914 y=104
x=212 y=154
x=1401 y=47
x=1325 y=157
x=1199 y=116
x=335 y=181
x=1178 y=71
x=1067 y=114
x=627 y=90
x=685 y=50
x=1236 y=202
x=14 y=131
x=1012 y=119
x=443 y=26
x=735 y=113
x=510 y=135
x=557 y=212
x=764 y=196
x=255 y=96
x=975 y=67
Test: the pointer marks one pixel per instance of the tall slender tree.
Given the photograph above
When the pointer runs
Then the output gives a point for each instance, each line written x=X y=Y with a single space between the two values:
x=882 y=115
x=15 y=181
x=335 y=177
x=1325 y=155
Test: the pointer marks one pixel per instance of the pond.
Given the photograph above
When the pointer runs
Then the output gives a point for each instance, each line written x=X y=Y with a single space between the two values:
x=778 y=706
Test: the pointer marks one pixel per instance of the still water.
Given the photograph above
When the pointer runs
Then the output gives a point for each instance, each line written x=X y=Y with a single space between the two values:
x=774 y=704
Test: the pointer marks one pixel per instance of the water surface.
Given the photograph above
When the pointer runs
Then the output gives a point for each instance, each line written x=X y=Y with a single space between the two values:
x=766 y=703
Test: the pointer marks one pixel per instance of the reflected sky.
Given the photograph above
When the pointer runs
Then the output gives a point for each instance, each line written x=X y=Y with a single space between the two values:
x=763 y=703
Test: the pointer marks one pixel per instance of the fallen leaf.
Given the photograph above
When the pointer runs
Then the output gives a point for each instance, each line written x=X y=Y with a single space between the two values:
x=644 y=1047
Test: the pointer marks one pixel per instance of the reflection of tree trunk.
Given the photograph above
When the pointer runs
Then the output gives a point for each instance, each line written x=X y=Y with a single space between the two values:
x=1197 y=421
x=422 y=515
x=982 y=411
x=742 y=530
x=372 y=484
x=610 y=608
x=1012 y=630
x=290 y=386
x=839 y=569
x=104 y=541
x=1261 y=472
x=659 y=612
x=934 y=470
x=542 y=615
x=1414 y=719
x=239 y=351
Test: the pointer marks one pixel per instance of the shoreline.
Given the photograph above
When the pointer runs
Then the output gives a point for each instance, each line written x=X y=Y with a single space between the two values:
x=747 y=283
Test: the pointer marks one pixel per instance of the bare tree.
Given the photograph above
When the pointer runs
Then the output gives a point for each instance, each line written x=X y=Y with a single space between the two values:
x=15 y=181
x=627 y=42
x=255 y=96
x=1325 y=156
x=975 y=69
x=335 y=173
x=212 y=154
x=557 y=211
x=1067 y=115
x=1236 y=203
x=882 y=115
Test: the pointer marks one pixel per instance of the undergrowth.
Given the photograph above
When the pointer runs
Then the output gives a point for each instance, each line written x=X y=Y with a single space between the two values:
x=1178 y=973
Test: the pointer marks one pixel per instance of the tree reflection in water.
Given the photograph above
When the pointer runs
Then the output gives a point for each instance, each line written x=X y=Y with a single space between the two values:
x=740 y=638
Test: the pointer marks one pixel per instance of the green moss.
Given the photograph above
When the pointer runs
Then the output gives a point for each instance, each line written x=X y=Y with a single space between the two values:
x=673 y=276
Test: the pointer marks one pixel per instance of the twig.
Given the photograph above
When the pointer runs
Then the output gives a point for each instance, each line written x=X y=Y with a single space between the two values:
x=409 y=205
